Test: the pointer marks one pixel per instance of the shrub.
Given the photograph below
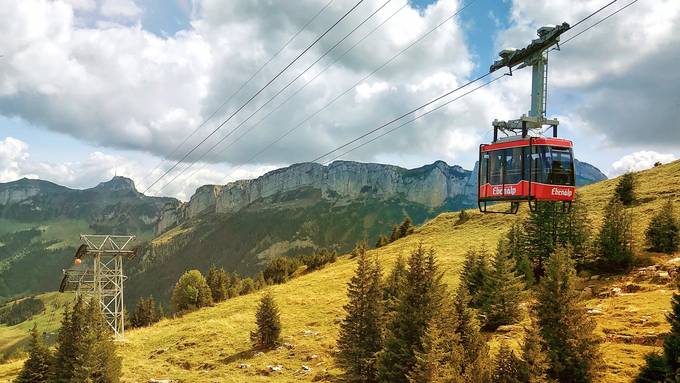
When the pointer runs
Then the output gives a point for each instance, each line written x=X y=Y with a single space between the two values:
x=663 y=232
x=625 y=189
x=191 y=292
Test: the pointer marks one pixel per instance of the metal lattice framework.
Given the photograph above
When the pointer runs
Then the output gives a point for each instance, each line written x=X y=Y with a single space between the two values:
x=100 y=275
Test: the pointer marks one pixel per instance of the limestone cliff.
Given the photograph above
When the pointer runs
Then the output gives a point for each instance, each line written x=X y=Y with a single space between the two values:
x=430 y=186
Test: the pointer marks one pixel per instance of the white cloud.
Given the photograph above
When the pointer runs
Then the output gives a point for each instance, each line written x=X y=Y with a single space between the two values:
x=641 y=160
x=12 y=153
x=120 y=8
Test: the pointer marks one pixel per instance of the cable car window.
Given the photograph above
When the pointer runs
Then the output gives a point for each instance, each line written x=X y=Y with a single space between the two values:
x=561 y=169
x=483 y=168
x=496 y=167
x=513 y=166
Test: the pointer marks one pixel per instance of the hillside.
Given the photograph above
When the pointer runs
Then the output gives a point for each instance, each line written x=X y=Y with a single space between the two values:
x=40 y=225
x=296 y=210
x=13 y=338
x=212 y=344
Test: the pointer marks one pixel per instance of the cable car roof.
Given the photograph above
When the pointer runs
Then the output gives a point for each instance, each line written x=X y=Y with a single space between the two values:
x=518 y=143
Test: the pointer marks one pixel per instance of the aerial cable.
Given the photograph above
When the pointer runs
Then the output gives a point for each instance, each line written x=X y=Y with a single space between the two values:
x=271 y=58
x=278 y=92
x=450 y=101
x=376 y=70
x=593 y=14
x=290 y=97
x=293 y=95
x=401 y=117
x=414 y=119
x=255 y=95
x=598 y=22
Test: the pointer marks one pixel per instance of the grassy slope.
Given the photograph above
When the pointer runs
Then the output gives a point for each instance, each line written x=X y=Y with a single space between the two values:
x=48 y=321
x=209 y=345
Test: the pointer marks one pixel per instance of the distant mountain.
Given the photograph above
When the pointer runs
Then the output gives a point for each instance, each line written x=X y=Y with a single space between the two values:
x=295 y=210
x=40 y=224
x=241 y=225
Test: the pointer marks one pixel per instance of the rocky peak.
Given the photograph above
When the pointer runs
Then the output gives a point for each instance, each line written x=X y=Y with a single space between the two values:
x=117 y=183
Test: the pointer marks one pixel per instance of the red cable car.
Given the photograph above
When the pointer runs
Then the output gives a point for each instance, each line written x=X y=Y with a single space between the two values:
x=526 y=169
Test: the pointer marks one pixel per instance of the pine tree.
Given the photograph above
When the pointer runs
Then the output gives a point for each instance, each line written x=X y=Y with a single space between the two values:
x=419 y=301
x=517 y=249
x=406 y=227
x=85 y=349
x=535 y=366
x=565 y=326
x=576 y=231
x=395 y=233
x=663 y=232
x=541 y=228
x=260 y=282
x=475 y=274
x=268 y=323
x=507 y=366
x=360 y=336
x=654 y=370
x=37 y=368
x=191 y=292
x=476 y=366
x=625 y=189
x=615 y=240
x=671 y=344
x=503 y=291
x=441 y=360
x=382 y=241
x=217 y=282
x=394 y=285
x=67 y=353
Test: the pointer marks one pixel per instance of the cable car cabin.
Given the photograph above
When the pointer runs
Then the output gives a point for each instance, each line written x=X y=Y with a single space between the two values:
x=526 y=169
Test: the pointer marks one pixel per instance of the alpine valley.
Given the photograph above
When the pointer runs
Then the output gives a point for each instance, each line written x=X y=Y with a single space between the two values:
x=240 y=226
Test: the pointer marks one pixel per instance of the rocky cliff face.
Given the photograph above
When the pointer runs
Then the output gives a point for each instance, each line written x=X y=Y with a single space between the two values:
x=430 y=186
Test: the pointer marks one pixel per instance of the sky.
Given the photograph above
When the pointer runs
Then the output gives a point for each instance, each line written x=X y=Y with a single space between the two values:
x=90 y=89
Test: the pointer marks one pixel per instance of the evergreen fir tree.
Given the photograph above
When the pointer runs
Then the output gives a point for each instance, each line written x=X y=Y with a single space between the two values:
x=406 y=227
x=475 y=274
x=625 y=189
x=663 y=232
x=541 y=235
x=671 y=344
x=418 y=303
x=476 y=366
x=360 y=336
x=576 y=231
x=67 y=351
x=517 y=249
x=507 y=366
x=535 y=366
x=103 y=365
x=395 y=233
x=654 y=370
x=382 y=241
x=615 y=240
x=503 y=291
x=260 y=282
x=565 y=326
x=217 y=282
x=37 y=368
x=268 y=323
x=394 y=285
x=441 y=360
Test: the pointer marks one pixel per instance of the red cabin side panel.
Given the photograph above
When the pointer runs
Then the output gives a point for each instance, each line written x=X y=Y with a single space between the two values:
x=520 y=191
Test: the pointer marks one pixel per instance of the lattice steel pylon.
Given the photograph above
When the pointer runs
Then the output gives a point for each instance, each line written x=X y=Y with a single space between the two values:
x=99 y=274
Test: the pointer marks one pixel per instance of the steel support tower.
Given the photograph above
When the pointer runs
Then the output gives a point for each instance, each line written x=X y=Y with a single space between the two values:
x=98 y=273
x=535 y=55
